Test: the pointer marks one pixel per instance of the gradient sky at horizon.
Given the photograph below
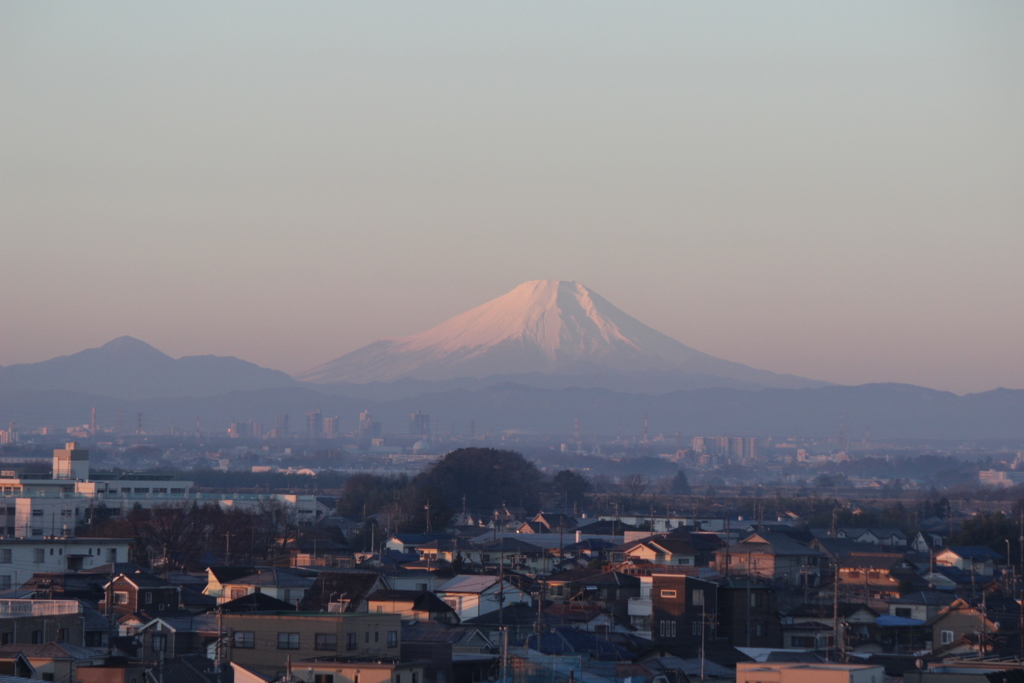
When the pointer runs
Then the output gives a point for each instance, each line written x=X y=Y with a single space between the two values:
x=834 y=190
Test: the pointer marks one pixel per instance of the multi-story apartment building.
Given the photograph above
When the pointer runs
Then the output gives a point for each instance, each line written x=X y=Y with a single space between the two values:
x=267 y=641
x=20 y=558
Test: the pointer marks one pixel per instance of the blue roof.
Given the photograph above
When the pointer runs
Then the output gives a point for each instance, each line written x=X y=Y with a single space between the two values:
x=890 y=621
x=975 y=552
x=567 y=641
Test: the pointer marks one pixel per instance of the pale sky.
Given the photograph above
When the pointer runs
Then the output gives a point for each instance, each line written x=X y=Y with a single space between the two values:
x=834 y=190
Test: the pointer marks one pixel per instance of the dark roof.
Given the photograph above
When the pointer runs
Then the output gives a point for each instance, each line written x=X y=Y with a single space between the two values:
x=936 y=598
x=843 y=547
x=605 y=527
x=228 y=574
x=353 y=586
x=257 y=602
x=825 y=610
x=422 y=601
x=144 y=579
x=612 y=578
x=772 y=544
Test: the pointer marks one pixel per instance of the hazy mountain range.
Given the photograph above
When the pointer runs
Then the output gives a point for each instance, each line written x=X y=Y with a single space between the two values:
x=533 y=359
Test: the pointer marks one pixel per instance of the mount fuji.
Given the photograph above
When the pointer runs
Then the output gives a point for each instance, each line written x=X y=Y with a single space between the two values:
x=545 y=332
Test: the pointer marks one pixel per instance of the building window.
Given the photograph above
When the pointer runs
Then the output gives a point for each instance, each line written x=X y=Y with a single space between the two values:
x=6 y=638
x=415 y=677
x=392 y=638
x=755 y=599
x=237 y=593
x=39 y=556
x=697 y=627
x=946 y=637
x=353 y=641
x=37 y=637
x=287 y=641
x=120 y=597
x=367 y=638
x=323 y=678
x=698 y=597
x=326 y=641
x=159 y=642
x=759 y=630
x=5 y=556
x=666 y=593
x=904 y=612
x=149 y=598
x=5 y=582
x=37 y=513
x=112 y=555
x=245 y=639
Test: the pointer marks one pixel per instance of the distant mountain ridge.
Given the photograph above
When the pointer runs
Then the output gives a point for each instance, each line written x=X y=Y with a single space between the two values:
x=545 y=327
x=127 y=368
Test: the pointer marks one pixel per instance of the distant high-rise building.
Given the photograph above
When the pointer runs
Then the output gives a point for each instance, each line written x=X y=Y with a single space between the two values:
x=257 y=430
x=368 y=429
x=740 y=446
x=281 y=430
x=331 y=427
x=419 y=424
x=314 y=424
x=92 y=421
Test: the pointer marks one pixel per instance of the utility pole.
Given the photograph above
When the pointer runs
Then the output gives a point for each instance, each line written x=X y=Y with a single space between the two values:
x=835 y=607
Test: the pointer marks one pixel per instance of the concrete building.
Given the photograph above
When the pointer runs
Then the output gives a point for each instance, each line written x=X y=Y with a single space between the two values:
x=798 y=672
x=266 y=641
x=20 y=558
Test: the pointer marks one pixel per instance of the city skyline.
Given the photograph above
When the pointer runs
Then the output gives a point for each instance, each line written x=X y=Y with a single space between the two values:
x=831 y=192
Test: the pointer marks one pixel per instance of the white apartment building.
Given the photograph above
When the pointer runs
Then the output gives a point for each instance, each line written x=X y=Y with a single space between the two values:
x=20 y=558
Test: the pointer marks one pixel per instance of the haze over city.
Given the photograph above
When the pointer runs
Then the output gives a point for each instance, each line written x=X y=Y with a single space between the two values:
x=826 y=191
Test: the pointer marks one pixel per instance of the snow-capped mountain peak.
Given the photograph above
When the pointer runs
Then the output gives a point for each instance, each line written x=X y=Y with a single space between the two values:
x=541 y=326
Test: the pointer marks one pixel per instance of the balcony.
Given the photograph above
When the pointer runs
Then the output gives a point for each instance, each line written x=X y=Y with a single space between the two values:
x=38 y=608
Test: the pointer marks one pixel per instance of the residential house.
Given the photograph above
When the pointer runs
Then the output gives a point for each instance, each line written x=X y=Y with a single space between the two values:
x=683 y=610
x=801 y=672
x=662 y=551
x=973 y=626
x=419 y=605
x=51 y=661
x=810 y=626
x=140 y=593
x=41 y=621
x=171 y=636
x=453 y=654
x=748 y=613
x=925 y=542
x=773 y=556
x=341 y=670
x=980 y=560
x=342 y=591
x=922 y=606
x=284 y=583
x=266 y=641
x=472 y=595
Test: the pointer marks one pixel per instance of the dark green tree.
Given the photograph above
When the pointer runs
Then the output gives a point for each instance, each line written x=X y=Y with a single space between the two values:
x=570 y=488
x=487 y=477
x=680 y=485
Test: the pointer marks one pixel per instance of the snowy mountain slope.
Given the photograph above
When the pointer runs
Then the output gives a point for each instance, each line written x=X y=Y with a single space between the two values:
x=542 y=326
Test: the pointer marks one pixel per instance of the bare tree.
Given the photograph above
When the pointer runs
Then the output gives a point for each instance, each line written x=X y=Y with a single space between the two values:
x=635 y=485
